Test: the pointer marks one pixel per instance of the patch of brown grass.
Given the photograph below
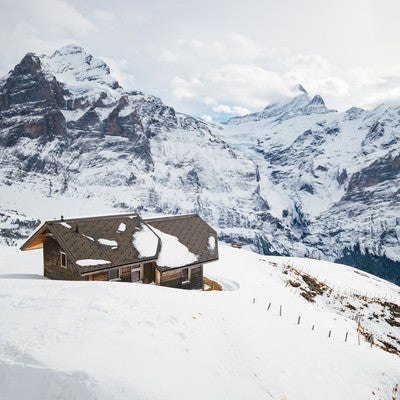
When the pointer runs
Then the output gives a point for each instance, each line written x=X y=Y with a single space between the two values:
x=209 y=285
x=309 y=286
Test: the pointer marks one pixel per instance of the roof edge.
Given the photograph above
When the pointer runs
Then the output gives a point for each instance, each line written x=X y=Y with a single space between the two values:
x=32 y=237
x=148 y=220
x=96 y=217
x=116 y=266
x=165 y=269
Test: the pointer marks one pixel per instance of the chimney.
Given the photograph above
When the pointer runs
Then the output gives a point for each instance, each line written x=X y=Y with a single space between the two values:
x=62 y=217
x=76 y=229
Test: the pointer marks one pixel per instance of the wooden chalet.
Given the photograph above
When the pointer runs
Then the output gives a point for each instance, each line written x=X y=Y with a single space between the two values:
x=168 y=251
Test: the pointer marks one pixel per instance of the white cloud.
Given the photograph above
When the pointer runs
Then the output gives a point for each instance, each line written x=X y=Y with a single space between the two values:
x=222 y=108
x=240 y=110
x=235 y=110
x=40 y=26
x=168 y=56
x=104 y=17
x=207 y=118
x=118 y=69
x=183 y=89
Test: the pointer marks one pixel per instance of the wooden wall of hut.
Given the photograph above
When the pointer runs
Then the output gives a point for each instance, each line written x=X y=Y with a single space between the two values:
x=173 y=278
x=52 y=263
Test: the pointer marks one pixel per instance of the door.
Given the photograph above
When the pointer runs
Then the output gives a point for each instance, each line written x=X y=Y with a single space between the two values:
x=135 y=273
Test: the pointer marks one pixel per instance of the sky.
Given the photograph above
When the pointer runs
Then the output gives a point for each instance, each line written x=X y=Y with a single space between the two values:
x=219 y=58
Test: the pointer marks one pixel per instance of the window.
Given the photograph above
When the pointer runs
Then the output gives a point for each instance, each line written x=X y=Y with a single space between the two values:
x=185 y=275
x=113 y=274
x=63 y=260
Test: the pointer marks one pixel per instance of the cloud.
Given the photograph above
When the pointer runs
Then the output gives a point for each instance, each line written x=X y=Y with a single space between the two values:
x=119 y=70
x=235 y=110
x=40 y=26
x=168 y=56
x=104 y=17
x=207 y=118
x=222 y=109
x=186 y=89
x=233 y=89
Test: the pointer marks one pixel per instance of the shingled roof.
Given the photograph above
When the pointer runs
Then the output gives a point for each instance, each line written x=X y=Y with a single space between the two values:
x=106 y=242
x=192 y=231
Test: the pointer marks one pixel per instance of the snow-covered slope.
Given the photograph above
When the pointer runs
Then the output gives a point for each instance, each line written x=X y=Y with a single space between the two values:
x=108 y=340
x=331 y=178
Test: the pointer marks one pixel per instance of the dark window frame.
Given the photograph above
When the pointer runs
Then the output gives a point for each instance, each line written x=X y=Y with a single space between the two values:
x=186 y=275
x=112 y=271
x=63 y=260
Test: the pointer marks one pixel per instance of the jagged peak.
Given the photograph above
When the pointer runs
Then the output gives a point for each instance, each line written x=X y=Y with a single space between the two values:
x=29 y=64
x=71 y=65
x=71 y=48
x=31 y=56
x=317 y=99
x=300 y=88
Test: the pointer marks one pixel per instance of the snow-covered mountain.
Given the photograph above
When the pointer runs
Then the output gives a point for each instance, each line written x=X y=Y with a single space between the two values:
x=295 y=329
x=73 y=142
x=332 y=179
x=295 y=179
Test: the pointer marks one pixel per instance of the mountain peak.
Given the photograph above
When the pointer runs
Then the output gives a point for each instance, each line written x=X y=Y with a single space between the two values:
x=71 y=48
x=80 y=71
x=317 y=99
x=301 y=104
x=299 y=87
x=29 y=64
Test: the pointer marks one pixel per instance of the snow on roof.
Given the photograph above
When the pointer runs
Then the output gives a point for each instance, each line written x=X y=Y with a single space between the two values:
x=145 y=241
x=89 y=262
x=122 y=227
x=88 y=237
x=211 y=243
x=107 y=242
x=65 y=224
x=173 y=253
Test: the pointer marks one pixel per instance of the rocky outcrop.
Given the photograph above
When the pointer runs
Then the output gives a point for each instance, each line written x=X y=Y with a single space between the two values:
x=381 y=170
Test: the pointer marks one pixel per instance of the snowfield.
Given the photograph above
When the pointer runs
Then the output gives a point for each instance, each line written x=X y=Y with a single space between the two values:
x=109 y=340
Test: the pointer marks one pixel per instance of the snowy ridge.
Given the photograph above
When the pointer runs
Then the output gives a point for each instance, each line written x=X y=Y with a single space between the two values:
x=246 y=342
x=302 y=104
